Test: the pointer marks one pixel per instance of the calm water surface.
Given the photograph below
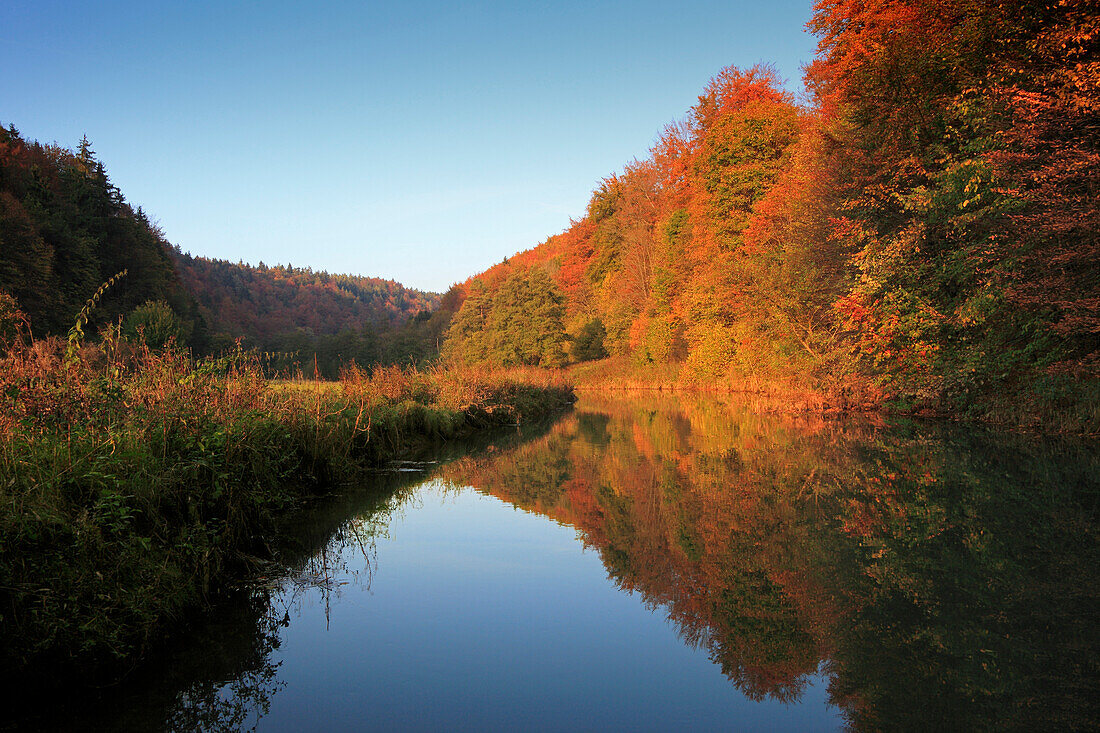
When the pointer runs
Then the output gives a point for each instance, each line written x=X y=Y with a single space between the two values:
x=668 y=564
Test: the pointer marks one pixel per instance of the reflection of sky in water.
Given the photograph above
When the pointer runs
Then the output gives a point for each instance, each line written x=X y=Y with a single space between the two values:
x=481 y=616
x=949 y=575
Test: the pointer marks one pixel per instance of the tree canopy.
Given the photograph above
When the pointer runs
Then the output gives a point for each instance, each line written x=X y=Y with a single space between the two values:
x=925 y=223
x=518 y=323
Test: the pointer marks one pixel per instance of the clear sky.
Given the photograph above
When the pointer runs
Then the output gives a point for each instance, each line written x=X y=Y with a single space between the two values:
x=419 y=141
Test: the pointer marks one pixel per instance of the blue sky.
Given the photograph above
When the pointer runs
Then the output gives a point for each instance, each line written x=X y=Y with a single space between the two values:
x=419 y=141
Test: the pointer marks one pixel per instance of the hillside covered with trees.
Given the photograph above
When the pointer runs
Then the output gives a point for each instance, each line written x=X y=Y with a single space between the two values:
x=65 y=229
x=263 y=301
x=315 y=321
x=924 y=228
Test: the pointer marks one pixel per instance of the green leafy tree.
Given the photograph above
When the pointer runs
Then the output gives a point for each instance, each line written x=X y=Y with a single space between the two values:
x=588 y=343
x=154 y=324
x=465 y=337
x=521 y=323
x=26 y=261
x=525 y=324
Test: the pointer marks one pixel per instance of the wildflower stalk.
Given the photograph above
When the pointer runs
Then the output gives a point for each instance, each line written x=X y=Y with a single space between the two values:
x=76 y=333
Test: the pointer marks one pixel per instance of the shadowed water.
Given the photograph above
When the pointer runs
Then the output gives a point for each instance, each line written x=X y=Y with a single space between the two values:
x=658 y=564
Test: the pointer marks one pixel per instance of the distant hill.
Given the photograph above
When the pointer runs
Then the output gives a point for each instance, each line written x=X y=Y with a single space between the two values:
x=312 y=321
x=262 y=302
x=65 y=229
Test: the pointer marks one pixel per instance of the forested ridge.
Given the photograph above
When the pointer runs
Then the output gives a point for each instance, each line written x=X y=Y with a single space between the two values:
x=921 y=228
x=65 y=228
x=310 y=320
x=924 y=227
x=263 y=301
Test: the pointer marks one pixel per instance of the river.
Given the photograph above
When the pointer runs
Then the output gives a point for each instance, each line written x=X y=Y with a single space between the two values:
x=668 y=563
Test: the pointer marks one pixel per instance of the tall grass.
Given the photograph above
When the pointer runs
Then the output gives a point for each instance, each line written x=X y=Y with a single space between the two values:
x=768 y=392
x=1053 y=404
x=133 y=482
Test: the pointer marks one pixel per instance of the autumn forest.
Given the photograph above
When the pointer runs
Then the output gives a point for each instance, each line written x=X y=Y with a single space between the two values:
x=923 y=228
x=817 y=376
x=917 y=229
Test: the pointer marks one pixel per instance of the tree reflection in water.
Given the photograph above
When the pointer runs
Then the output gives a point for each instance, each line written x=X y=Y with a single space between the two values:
x=943 y=576
x=239 y=701
x=208 y=705
x=232 y=691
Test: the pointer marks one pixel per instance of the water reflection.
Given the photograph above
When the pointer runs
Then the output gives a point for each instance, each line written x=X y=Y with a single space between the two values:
x=240 y=700
x=223 y=674
x=945 y=577
x=939 y=577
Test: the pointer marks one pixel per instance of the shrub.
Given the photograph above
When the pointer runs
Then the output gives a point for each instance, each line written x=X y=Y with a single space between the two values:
x=12 y=321
x=154 y=324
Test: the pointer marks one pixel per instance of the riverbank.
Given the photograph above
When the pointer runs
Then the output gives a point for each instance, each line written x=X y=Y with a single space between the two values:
x=1056 y=405
x=133 y=485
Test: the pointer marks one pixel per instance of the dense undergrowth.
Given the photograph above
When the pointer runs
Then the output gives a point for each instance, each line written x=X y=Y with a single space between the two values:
x=772 y=392
x=134 y=483
x=1053 y=404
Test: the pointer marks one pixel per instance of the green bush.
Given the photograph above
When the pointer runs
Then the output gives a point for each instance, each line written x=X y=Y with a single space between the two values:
x=154 y=324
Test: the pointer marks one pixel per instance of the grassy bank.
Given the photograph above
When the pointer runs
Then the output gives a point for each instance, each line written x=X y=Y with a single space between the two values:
x=133 y=484
x=1055 y=404
x=785 y=392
